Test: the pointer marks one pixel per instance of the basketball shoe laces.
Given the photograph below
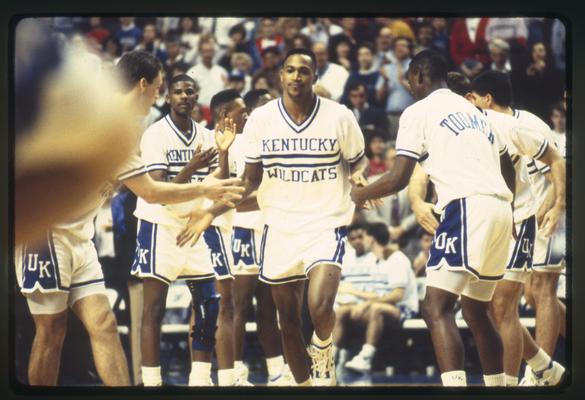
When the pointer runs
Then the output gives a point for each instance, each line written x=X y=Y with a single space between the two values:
x=321 y=362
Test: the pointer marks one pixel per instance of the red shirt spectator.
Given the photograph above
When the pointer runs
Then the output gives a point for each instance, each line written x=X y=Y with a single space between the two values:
x=463 y=47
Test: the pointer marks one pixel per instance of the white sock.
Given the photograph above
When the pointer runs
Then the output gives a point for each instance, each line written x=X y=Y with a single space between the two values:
x=368 y=351
x=306 y=383
x=238 y=365
x=226 y=377
x=511 y=380
x=151 y=376
x=454 y=378
x=200 y=373
x=321 y=343
x=540 y=361
x=343 y=355
x=274 y=365
x=495 y=380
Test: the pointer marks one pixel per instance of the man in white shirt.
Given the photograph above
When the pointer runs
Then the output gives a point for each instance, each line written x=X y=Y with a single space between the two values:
x=441 y=130
x=330 y=75
x=211 y=77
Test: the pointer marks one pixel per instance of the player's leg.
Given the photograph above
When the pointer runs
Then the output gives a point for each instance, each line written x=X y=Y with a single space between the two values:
x=135 y=294
x=547 y=309
x=203 y=328
x=224 y=347
x=49 y=313
x=269 y=334
x=379 y=314
x=95 y=313
x=562 y=318
x=243 y=292
x=504 y=310
x=154 y=304
x=475 y=302
x=288 y=298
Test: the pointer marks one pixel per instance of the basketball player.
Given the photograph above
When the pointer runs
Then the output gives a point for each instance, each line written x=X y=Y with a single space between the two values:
x=246 y=238
x=178 y=150
x=492 y=90
x=302 y=151
x=63 y=271
x=472 y=174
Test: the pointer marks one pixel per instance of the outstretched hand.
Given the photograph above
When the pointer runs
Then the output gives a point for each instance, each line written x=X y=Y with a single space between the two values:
x=224 y=139
x=202 y=159
x=199 y=221
x=358 y=180
x=225 y=191
x=425 y=217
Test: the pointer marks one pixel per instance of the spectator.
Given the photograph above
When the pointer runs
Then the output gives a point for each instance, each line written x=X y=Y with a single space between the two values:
x=151 y=43
x=391 y=298
x=261 y=81
x=424 y=36
x=420 y=261
x=97 y=31
x=400 y=28
x=242 y=62
x=175 y=54
x=369 y=118
x=211 y=77
x=301 y=41
x=189 y=36
x=320 y=30
x=392 y=86
x=268 y=36
x=179 y=68
x=468 y=45
x=128 y=35
x=331 y=76
x=271 y=67
x=112 y=50
x=441 y=37
x=290 y=28
x=558 y=122
x=238 y=44
x=376 y=146
x=395 y=212
x=237 y=81
x=538 y=85
x=499 y=55
x=384 y=54
x=342 y=54
x=557 y=44
x=366 y=74
x=219 y=29
x=197 y=115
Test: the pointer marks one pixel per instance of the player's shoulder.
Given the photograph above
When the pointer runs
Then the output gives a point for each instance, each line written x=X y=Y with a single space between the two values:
x=526 y=117
x=158 y=127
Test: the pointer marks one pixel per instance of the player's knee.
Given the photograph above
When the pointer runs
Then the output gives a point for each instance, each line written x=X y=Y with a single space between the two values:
x=51 y=330
x=432 y=312
x=103 y=324
x=206 y=316
x=322 y=308
x=544 y=284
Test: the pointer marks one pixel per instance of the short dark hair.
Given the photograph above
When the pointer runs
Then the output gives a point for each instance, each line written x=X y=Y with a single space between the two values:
x=379 y=231
x=355 y=227
x=497 y=84
x=135 y=65
x=305 y=52
x=271 y=49
x=458 y=83
x=430 y=63
x=238 y=28
x=222 y=98
x=251 y=98
x=183 y=78
x=354 y=84
x=368 y=46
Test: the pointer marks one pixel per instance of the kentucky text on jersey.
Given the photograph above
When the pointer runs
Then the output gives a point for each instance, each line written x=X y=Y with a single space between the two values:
x=297 y=144
x=459 y=121
x=182 y=155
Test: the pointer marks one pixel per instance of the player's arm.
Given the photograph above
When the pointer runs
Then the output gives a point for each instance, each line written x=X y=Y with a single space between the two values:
x=200 y=219
x=508 y=172
x=155 y=192
x=389 y=183
x=200 y=159
x=549 y=198
x=250 y=203
x=396 y=295
x=556 y=162
x=417 y=192
x=223 y=140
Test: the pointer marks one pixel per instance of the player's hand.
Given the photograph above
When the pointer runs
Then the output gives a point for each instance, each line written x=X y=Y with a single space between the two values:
x=424 y=215
x=551 y=220
x=199 y=221
x=225 y=191
x=202 y=159
x=357 y=180
x=224 y=139
x=396 y=232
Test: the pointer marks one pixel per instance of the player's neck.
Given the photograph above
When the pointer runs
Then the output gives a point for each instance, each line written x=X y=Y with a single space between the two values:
x=183 y=122
x=505 y=110
x=299 y=109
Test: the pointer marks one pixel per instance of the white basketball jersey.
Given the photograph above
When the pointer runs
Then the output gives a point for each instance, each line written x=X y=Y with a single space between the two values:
x=305 y=184
x=247 y=219
x=165 y=147
x=455 y=145
x=82 y=227
x=524 y=144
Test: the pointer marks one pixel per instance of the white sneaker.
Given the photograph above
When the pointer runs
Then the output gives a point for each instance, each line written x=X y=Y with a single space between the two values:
x=242 y=376
x=360 y=364
x=285 y=378
x=528 y=379
x=550 y=376
x=202 y=382
x=323 y=367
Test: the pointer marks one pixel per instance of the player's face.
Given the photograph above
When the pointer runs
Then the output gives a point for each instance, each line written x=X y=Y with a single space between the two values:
x=356 y=240
x=480 y=101
x=297 y=76
x=182 y=97
x=149 y=93
x=238 y=113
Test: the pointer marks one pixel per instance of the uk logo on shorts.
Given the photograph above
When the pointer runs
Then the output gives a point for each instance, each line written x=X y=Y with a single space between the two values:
x=449 y=239
x=214 y=240
x=39 y=268
x=145 y=247
x=243 y=246
x=524 y=246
